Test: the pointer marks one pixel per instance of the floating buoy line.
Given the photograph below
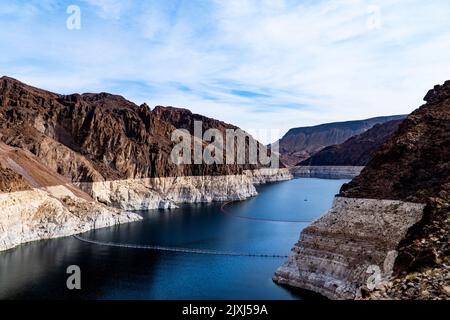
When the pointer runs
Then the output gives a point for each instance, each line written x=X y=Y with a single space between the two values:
x=178 y=249
x=193 y=250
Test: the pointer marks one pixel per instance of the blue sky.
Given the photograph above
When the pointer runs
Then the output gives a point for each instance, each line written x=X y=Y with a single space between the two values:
x=258 y=64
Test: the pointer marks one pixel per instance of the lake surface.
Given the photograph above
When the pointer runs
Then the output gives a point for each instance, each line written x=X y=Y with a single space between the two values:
x=38 y=270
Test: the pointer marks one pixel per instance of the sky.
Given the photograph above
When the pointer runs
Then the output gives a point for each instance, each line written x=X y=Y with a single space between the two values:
x=259 y=64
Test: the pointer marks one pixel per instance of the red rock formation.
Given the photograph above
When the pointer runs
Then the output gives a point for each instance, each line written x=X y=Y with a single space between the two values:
x=300 y=143
x=96 y=137
x=11 y=181
x=393 y=216
x=356 y=151
x=414 y=164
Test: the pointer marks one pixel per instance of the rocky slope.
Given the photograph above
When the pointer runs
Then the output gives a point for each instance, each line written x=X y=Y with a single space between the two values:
x=104 y=152
x=97 y=137
x=44 y=214
x=300 y=143
x=356 y=151
x=392 y=219
x=37 y=203
x=326 y=172
x=11 y=181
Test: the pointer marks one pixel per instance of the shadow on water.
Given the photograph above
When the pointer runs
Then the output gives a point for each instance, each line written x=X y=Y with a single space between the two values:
x=38 y=270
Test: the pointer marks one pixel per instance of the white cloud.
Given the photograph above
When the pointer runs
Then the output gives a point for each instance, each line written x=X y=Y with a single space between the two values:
x=110 y=9
x=306 y=61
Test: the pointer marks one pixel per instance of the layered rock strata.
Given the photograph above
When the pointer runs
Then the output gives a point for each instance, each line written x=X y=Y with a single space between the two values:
x=356 y=151
x=168 y=192
x=82 y=159
x=326 y=172
x=268 y=175
x=299 y=144
x=45 y=214
x=334 y=254
x=392 y=218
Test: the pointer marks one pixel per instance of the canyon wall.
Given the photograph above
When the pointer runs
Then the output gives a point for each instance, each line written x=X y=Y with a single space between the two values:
x=326 y=172
x=83 y=160
x=356 y=151
x=299 y=144
x=167 y=192
x=268 y=175
x=335 y=252
x=392 y=218
x=56 y=212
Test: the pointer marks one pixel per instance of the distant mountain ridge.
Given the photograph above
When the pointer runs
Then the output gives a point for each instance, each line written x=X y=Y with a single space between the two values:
x=394 y=215
x=72 y=163
x=356 y=151
x=96 y=137
x=299 y=144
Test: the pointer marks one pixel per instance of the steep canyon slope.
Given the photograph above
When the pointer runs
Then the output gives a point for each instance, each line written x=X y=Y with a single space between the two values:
x=299 y=144
x=356 y=151
x=393 y=218
x=69 y=163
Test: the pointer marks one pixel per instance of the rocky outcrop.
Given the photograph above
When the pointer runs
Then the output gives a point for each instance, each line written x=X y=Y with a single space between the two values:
x=167 y=192
x=37 y=203
x=44 y=214
x=299 y=144
x=356 y=151
x=268 y=175
x=326 y=172
x=98 y=137
x=394 y=216
x=11 y=181
x=334 y=253
x=85 y=158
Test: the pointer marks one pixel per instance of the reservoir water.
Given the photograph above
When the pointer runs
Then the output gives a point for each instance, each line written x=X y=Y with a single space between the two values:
x=38 y=270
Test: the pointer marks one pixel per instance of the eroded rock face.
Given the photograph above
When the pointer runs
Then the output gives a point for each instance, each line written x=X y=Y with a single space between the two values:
x=300 y=143
x=399 y=204
x=167 y=192
x=335 y=252
x=44 y=214
x=98 y=137
x=268 y=175
x=326 y=172
x=11 y=181
x=356 y=151
x=86 y=158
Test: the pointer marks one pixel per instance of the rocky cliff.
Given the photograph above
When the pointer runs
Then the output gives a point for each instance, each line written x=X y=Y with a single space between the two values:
x=91 y=137
x=299 y=144
x=37 y=203
x=326 y=172
x=389 y=226
x=72 y=152
x=356 y=151
x=11 y=181
x=99 y=137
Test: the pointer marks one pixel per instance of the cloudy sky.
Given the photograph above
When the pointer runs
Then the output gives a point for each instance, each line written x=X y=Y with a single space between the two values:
x=258 y=64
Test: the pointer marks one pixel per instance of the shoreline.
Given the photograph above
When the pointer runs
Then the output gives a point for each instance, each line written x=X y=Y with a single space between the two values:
x=326 y=172
x=57 y=211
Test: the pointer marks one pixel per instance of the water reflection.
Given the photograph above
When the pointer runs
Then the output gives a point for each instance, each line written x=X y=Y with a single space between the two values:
x=38 y=270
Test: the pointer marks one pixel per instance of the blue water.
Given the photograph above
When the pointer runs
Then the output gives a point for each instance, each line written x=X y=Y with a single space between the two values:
x=38 y=270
